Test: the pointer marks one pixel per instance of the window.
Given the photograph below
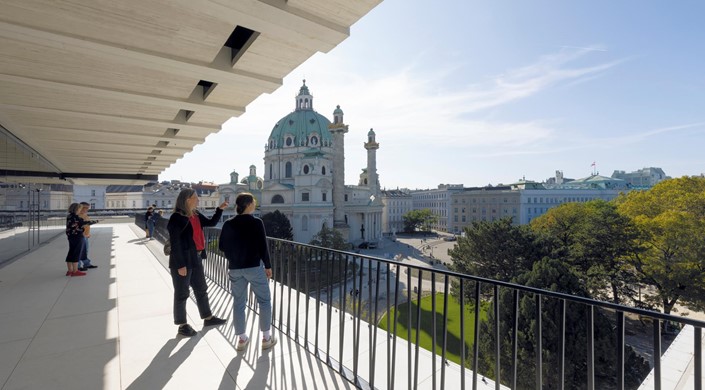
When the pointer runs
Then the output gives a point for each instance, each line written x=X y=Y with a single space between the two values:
x=304 y=196
x=314 y=140
x=324 y=197
x=134 y=204
x=287 y=169
x=92 y=192
x=277 y=199
x=323 y=170
x=306 y=169
x=270 y=171
x=346 y=197
x=289 y=141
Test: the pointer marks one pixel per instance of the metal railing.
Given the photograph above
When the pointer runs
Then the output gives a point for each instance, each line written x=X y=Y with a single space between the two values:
x=324 y=297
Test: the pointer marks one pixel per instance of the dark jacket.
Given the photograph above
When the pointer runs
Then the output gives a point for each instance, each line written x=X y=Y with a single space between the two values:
x=183 y=249
x=243 y=240
x=75 y=225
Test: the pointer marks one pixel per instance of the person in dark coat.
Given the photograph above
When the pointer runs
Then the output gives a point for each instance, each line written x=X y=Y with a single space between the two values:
x=188 y=248
x=74 y=232
x=243 y=240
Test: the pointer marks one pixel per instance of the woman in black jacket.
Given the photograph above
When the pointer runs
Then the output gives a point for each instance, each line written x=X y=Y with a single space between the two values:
x=188 y=245
x=243 y=240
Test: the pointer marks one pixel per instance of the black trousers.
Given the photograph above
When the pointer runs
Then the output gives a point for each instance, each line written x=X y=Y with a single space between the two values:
x=196 y=279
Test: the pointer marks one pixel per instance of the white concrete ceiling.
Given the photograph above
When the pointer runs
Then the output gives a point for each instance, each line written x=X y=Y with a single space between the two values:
x=106 y=91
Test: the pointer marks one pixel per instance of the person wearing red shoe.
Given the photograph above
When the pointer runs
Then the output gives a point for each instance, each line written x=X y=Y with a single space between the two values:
x=188 y=244
x=74 y=232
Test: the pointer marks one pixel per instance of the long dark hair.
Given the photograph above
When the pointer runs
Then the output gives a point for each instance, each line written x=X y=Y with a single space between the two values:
x=242 y=201
x=181 y=205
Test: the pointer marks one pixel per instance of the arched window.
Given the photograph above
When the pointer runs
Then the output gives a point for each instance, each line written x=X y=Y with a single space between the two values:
x=306 y=169
x=323 y=170
x=270 y=171
x=288 y=141
x=277 y=199
x=287 y=169
x=304 y=223
x=314 y=140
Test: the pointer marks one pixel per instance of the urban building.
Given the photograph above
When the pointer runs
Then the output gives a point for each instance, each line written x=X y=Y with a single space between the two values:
x=229 y=191
x=642 y=178
x=304 y=176
x=438 y=200
x=395 y=203
x=91 y=194
x=35 y=196
x=483 y=204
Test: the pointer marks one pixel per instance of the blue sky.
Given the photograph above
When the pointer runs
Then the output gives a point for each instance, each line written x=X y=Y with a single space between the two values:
x=480 y=92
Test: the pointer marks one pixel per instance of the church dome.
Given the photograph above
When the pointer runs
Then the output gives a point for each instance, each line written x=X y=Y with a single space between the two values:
x=302 y=127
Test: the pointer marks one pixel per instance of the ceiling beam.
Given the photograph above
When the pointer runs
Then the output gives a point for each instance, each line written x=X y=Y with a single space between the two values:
x=183 y=125
x=193 y=103
x=217 y=72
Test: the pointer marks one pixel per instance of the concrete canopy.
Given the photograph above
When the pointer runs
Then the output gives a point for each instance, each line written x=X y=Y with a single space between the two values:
x=108 y=92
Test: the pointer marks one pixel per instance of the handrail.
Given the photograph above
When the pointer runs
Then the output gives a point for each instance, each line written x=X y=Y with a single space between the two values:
x=324 y=297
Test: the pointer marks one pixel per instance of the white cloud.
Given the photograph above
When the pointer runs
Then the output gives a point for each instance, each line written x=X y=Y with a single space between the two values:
x=409 y=110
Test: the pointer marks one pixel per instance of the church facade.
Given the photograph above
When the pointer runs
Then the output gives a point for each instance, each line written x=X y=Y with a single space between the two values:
x=304 y=176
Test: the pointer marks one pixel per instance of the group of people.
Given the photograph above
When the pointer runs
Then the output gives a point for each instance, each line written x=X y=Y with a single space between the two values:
x=78 y=231
x=243 y=241
x=150 y=220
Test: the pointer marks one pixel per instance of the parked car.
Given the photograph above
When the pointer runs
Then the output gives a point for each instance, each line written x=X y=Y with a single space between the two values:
x=450 y=238
x=364 y=245
x=372 y=245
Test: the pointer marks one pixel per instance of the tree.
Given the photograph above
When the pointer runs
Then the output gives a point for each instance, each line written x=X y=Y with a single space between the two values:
x=329 y=238
x=670 y=218
x=415 y=219
x=554 y=275
x=596 y=240
x=277 y=225
x=494 y=250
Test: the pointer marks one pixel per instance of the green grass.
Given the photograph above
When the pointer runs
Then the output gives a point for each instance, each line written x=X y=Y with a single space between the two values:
x=453 y=345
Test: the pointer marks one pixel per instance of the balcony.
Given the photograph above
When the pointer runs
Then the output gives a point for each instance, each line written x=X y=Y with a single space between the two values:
x=113 y=328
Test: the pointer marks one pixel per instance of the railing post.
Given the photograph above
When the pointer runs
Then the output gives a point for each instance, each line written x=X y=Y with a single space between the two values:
x=462 y=334
x=591 y=348
x=561 y=356
x=476 y=339
x=498 y=341
x=515 y=345
x=698 y=351
x=657 y=354
x=620 y=350
x=539 y=344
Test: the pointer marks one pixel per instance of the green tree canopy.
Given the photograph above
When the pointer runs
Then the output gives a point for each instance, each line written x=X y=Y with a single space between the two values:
x=416 y=219
x=670 y=218
x=596 y=240
x=554 y=275
x=329 y=238
x=277 y=225
x=495 y=250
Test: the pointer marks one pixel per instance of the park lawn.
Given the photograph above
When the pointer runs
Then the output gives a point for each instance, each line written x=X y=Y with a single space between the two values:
x=401 y=314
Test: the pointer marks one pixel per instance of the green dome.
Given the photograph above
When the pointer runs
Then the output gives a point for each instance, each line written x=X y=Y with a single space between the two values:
x=300 y=125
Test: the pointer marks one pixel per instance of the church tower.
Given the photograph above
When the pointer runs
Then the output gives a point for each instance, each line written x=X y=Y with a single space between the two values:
x=338 y=129
x=372 y=180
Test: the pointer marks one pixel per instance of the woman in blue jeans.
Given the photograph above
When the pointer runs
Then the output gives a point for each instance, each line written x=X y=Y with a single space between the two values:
x=244 y=242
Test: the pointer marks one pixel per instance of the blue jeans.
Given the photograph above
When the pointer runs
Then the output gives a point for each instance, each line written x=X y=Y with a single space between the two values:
x=239 y=278
x=150 y=227
x=84 y=261
x=197 y=280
